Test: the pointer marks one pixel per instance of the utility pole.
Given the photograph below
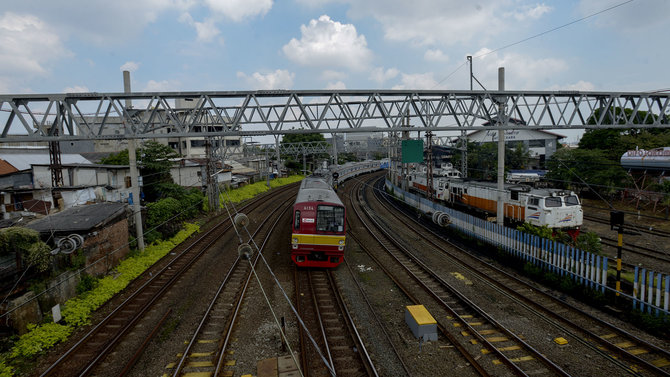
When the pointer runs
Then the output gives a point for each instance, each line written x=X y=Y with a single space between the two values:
x=464 y=135
x=500 y=216
x=429 y=170
x=134 y=181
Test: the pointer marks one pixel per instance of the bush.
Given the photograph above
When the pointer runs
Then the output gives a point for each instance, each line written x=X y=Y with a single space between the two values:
x=76 y=311
x=86 y=283
x=28 y=244
x=249 y=191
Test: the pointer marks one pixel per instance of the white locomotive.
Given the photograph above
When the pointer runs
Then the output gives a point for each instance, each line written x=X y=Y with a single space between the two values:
x=557 y=209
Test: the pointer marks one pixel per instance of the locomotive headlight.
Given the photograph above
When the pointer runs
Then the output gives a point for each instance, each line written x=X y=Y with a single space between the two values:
x=295 y=240
x=341 y=242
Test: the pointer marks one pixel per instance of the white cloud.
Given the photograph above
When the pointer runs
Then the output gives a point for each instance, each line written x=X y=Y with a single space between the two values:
x=336 y=86
x=329 y=75
x=582 y=86
x=206 y=31
x=521 y=71
x=76 y=89
x=279 y=79
x=633 y=16
x=435 y=56
x=102 y=23
x=379 y=75
x=325 y=42
x=162 y=86
x=130 y=66
x=533 y=12
x=239 y=10
x=28 y=45
x=417 y=81
x=426 y=22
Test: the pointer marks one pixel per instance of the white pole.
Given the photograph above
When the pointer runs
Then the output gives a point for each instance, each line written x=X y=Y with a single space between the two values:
x=501 y=149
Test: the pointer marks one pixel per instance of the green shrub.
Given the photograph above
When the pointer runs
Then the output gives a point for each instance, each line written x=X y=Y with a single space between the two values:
x=249 y=191
x=27 y=243
x=39 y=339
x=86 y=283
x=76 y=311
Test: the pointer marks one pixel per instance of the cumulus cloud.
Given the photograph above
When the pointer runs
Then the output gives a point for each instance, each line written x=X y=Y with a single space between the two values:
x=325 y=42
x=336 y=86
x=381 y=75
x=239 y=10
x=329 y=75
x=417 y=81
x=76 y=89
x=130 y=66
x=521 y=71
x=162 y=86
x=435 y=56
x=206 y=31
x=426 y=22
x=634 y=16
x=279 y=79
x=582 y=86
x=28 y=44
x=533 y=12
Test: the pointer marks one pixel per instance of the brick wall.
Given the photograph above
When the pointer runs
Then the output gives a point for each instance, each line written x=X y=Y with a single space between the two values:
x=106 y=248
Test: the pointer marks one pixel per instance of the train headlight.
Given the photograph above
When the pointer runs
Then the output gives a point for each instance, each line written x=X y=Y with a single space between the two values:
x=295 y=240
x=341 y=242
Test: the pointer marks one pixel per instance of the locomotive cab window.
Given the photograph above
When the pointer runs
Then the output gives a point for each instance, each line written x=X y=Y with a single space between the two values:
x=534 y=201
x=571 y=200
x=296 y=222
x=329 y=219
x=552 y=201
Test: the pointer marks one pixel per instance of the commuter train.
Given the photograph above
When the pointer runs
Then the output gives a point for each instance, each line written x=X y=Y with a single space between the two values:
x=557 y=209
x=318 y=226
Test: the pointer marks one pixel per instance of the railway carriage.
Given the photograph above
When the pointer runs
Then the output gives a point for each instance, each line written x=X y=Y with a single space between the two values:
x=318 y=226
x=557 y=209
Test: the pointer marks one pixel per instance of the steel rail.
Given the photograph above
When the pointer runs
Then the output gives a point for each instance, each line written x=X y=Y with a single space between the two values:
x=515 y=368
x=522 y=300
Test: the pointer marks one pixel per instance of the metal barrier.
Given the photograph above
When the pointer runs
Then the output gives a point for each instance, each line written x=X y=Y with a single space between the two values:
x=585 y=268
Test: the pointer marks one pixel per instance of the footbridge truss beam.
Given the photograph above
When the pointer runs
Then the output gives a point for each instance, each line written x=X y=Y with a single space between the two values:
x=82 y=116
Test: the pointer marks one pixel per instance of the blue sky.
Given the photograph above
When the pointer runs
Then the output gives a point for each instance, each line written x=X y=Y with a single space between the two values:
x=177 y=45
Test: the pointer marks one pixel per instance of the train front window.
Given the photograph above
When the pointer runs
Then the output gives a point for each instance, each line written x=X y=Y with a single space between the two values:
x=552 y=201
x=329 y=219
x=571 y=200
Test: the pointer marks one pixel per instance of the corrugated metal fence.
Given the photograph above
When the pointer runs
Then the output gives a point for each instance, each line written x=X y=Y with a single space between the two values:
x=651 y=290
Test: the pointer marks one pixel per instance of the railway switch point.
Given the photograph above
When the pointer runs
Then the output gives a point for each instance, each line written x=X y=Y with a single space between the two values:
x=421 y=322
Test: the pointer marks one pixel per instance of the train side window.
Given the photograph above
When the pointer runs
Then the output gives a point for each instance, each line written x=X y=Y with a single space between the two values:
x=296 y=224
x=534 y=201
x=515 y=195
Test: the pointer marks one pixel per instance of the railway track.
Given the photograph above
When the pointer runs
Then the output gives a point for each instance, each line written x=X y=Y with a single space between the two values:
x=87 y=353
x=628 y=352
x=463 y=323
x=324 y=313
x=206 y=352
x=629 y=226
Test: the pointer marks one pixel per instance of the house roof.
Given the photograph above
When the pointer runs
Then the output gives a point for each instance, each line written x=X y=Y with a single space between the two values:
x=23 y=161
x=79 y=218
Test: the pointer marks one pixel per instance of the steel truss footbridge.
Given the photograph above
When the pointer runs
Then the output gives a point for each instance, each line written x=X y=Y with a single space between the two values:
x=88 y=116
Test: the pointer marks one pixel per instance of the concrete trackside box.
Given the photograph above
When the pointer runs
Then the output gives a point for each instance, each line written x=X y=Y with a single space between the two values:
x=423 y=325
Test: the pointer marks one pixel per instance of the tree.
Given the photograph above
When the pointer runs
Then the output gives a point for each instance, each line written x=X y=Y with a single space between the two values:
x=154 y=161
x=580 y=168
x=295 y=162
x=483 y=159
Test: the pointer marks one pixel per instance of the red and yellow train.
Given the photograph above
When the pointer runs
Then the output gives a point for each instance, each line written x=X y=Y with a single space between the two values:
x=318 y=226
